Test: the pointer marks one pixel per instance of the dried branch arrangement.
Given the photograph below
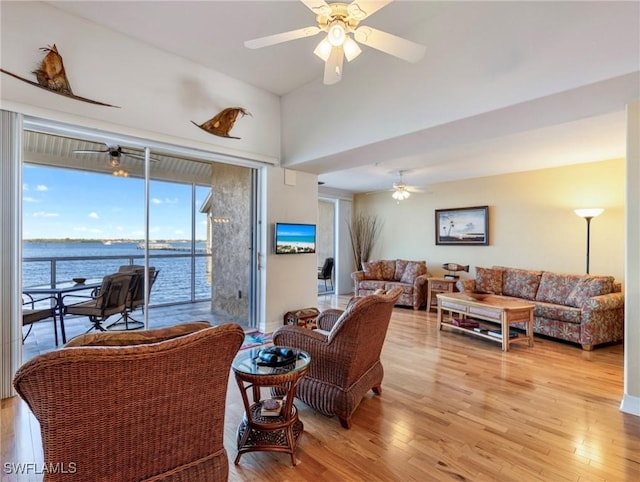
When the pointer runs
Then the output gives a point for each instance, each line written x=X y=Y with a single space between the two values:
x=363 y=230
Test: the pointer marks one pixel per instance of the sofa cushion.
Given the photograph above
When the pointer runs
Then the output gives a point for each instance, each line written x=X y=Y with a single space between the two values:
x=371 y=284
x=556 y=287
x=407 y=289
x=413 y=270
x=520 y=283
x=552 y=311
x=589 y=286
x=489 y=279
x=372 y=269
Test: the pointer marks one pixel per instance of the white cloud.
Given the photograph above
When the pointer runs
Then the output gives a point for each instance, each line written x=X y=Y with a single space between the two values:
x=171 y=201
x=44 y=214
x=94 y=215
x=178 y=231
x=41 y=187
x=155 y=200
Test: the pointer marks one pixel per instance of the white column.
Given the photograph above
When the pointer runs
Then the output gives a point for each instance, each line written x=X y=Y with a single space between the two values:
x=10 y=248
x=631 y=400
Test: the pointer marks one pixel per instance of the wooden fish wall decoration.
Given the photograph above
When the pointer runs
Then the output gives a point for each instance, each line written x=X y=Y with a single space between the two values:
x=51 y=76
x=223 y=122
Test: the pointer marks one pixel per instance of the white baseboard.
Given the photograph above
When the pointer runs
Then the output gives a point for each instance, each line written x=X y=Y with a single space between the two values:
x=630 y=405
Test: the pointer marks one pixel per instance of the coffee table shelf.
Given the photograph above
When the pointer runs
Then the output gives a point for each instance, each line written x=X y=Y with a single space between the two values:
x=497 y=309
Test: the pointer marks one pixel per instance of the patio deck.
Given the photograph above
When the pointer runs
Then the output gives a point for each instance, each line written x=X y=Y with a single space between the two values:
x=41 y=339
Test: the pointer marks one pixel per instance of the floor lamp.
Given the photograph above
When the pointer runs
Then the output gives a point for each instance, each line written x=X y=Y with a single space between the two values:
x=588 y=214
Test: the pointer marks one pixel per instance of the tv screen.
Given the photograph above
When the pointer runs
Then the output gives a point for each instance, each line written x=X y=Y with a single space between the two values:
x=292 y=238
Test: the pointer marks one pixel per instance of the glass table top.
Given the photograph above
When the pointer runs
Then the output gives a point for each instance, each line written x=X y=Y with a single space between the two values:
x=249 y=362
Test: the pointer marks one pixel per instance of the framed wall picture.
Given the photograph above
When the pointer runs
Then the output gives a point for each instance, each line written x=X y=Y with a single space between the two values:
x=463 y=226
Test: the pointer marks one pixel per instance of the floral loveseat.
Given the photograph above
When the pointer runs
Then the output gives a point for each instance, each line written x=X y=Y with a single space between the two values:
x=583 y=309
x=411 y=276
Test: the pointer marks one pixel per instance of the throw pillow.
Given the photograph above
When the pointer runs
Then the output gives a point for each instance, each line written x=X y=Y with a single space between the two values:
x=401 y=265
x=587 y=287
x=388 y=269
x=488 y=279
x=413 y=270
x=372 y=270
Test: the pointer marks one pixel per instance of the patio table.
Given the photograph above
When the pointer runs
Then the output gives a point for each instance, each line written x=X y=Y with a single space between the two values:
x=57 y=292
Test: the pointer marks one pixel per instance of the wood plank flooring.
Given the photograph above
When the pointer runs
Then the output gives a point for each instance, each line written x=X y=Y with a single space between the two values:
x=453 y=407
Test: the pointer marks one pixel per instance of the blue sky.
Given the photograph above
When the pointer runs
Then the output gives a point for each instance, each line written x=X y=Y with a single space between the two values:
x=66 y=203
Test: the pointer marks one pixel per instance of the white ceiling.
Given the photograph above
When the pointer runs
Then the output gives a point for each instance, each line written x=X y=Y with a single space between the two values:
x=583 y=123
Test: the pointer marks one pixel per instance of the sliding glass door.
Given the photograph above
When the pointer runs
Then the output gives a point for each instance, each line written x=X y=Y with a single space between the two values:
x=91 y=206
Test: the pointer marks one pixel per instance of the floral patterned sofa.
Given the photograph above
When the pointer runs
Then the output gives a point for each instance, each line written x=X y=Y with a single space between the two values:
x=584 y=309
x=411 y=276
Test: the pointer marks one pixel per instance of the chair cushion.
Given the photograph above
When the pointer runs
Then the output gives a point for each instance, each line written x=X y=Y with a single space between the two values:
x=489 y=279
x=123 y=338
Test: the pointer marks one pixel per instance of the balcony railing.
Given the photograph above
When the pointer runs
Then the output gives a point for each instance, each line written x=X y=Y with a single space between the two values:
x=182 y=277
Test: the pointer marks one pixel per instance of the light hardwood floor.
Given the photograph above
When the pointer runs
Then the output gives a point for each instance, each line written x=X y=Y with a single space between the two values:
x=453 y=407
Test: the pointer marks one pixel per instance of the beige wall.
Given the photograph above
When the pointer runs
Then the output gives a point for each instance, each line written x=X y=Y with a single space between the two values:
x=532 y=223
x=326 y=231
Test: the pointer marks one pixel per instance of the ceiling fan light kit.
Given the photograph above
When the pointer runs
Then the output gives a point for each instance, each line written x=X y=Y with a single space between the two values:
x=401 y=193
x=340 y=21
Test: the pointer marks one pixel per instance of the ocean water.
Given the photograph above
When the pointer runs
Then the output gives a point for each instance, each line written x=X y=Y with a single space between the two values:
x=172 y=285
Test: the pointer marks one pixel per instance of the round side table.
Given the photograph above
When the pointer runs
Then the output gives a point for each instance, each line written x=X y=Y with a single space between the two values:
x=258 y=432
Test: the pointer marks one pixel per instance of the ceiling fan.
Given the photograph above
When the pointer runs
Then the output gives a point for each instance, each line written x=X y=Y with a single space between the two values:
x=401 y=191
x=115 y=155
x=340 y=21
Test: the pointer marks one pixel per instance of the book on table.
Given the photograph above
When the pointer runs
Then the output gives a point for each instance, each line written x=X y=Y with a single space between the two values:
x=271 y=407
x=498 y=333
x=465 y=322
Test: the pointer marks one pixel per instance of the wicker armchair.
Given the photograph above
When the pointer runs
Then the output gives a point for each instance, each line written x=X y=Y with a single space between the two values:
x=131 y=406
x=345 y=354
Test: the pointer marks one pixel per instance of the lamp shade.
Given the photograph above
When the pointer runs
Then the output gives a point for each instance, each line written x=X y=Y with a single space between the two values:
x=588 y=212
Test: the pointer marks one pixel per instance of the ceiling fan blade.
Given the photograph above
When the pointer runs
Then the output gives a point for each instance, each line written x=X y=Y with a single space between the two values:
x=361 y=9
x=333 y=66
x=138 y=156
x=390 y=44
x=318 y=7
x=89 y=151
x=281 y=37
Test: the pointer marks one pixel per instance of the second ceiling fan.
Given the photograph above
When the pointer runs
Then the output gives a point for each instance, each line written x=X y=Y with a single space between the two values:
x=340 y=21
x=115 y=155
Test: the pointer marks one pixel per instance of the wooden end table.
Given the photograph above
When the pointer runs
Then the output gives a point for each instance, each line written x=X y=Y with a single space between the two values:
x=494 y=308
x=257 y=432
x=438 y=285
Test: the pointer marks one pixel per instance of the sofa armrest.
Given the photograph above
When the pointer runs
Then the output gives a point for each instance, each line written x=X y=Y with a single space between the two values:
x=465 y=285
x=610 y=301
x=421 y=281
x=357 y=276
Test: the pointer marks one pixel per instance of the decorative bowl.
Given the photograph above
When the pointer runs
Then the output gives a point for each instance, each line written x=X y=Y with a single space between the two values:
x=79 y=281
x=479 y=295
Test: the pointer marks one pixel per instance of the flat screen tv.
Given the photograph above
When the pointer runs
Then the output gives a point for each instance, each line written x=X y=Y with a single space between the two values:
x=292 y=238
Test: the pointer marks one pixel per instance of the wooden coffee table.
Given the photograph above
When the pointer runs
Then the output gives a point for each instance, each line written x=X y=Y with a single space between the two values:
x=493 y=308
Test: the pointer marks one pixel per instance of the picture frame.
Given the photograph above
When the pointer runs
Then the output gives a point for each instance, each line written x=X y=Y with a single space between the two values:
x=462 y=226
